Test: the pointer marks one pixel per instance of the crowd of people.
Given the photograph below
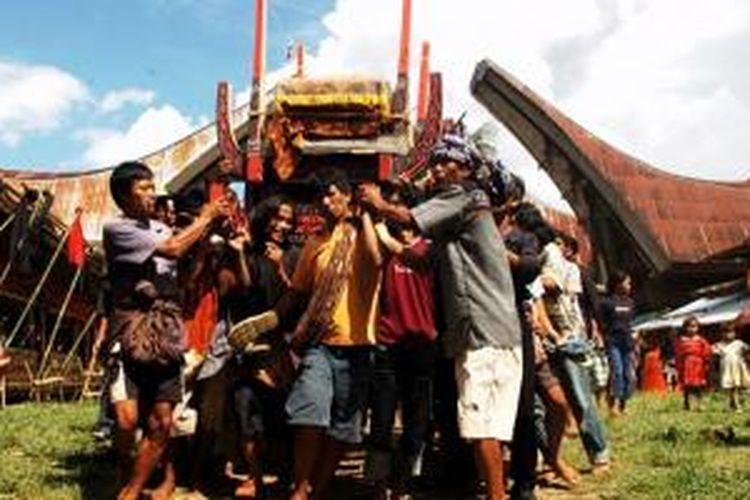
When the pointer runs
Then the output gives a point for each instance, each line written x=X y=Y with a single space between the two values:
x=459 y=304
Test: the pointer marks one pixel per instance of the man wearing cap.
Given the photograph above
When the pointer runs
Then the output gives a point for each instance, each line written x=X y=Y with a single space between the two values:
x=482 y=326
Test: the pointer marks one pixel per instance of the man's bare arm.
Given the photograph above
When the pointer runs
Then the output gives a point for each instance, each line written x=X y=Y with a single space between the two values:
x=371 y=239
x=178 y=245
x=289 y=304
x=238 y=244
x=387 y=240
x=370 y=195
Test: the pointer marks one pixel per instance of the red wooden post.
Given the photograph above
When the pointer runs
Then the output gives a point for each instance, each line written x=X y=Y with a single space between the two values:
x=385 y=166
x=403 y=56
x=254 y=169
x=254 y=165
x=424 y=83
x=230 y=153
x=299 y=55
x=259 y=50
x=401 y=94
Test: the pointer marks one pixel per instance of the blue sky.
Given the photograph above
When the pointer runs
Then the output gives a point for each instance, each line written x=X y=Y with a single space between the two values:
x=178 y=49
x=111 y=80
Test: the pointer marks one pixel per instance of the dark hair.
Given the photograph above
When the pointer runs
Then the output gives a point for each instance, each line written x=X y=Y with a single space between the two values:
x=690 y=319
x=570 y=242
x=528 y=217
x=123 y=177
x=406 y=193
x=545 y=234
x=262 y=215
x=333 y=177
x=191 y=202
x=616 y=279
x=500 y=183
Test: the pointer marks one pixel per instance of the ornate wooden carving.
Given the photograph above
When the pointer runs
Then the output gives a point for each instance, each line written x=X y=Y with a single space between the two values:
x=230 y=151
x=430 y=133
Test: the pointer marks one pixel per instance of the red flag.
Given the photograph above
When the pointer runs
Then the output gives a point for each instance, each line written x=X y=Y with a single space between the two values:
x=76 y=244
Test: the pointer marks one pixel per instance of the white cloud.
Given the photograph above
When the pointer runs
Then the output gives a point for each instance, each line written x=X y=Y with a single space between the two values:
x=117 y=99
x=659 y=88
x=155 y=128
x=35 y=99
x=666 y=81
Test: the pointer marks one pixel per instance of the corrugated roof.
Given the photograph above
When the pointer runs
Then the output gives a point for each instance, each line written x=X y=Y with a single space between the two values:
x=708 y=310
x=690 y=219
x=89 y=190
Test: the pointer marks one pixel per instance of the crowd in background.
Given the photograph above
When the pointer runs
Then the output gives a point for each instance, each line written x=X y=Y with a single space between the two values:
x=277 y=336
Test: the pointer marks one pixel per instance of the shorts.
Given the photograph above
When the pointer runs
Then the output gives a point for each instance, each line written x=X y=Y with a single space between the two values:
x=489 y=386
x=147 y=384
x=331 y=391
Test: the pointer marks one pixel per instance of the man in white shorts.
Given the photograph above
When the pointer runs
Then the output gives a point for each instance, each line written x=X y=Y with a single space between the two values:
x=482 y=331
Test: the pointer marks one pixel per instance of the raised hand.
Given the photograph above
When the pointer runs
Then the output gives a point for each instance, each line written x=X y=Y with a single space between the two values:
x=217 y=208
x=239 y=240
x=370 y=194
x=274 y=253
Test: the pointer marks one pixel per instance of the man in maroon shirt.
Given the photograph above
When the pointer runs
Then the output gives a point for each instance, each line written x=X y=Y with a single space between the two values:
x=404 y=357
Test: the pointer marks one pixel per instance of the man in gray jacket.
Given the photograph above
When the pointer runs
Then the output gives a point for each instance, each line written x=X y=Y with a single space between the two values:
x=482 y=329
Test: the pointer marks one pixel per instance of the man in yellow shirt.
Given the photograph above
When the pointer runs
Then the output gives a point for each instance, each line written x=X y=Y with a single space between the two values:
x=339 y=272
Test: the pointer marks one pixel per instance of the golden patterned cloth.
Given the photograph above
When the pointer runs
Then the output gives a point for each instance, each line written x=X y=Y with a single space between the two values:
x=301 y=94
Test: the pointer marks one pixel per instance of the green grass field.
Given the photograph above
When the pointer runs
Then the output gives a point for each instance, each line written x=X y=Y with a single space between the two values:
x=46 y=451
x=659 y=451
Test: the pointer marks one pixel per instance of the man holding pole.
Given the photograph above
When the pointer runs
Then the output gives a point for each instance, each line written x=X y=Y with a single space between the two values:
x=337 y=279
x=482 y=326
x=141 y=256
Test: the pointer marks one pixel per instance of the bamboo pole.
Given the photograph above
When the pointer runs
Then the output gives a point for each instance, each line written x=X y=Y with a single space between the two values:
x=99 y=337
x=81 y=336
x=38 y=288
x=8 y=221
x=19 y=244
x=58 y=321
